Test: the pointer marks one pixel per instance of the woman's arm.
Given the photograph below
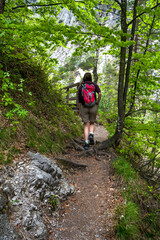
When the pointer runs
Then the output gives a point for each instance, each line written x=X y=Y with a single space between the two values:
x=99 y=98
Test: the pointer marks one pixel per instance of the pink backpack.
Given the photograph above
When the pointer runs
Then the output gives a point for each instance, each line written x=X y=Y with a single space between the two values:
x=88 y=94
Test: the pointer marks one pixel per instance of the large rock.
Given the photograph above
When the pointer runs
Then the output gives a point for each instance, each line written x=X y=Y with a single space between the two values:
x=7 y=231
x=28 y=187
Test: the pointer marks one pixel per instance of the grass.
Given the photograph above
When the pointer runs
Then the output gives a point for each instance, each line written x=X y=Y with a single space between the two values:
x=54 y=201
x=7 y=148
x=49 y=123
x=128 y=222
x=46 y=134
x=137 y=217
x=39 y=134
x=125 y=169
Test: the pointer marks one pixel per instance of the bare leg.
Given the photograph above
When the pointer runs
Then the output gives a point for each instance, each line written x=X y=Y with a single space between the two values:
x=91 y=129
x=86 y=130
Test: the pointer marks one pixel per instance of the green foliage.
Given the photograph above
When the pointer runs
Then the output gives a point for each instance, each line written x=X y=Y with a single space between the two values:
x=54 y=201
x=5 y=158
x=139 y=209
x=128 y=213
x=108 y=104
x=2 y=211
x=49 y=122
x=7 y=148
x=42 y=120
x=67 y=72
x=13 y=202
x=6 y=97
x=108 y=83
x=128 y=223
x=50 y=133
x=87 y=63
x=125 y=169
x=46 y=129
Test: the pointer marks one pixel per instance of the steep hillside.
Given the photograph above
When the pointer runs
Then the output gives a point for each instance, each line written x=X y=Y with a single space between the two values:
x=33 y=113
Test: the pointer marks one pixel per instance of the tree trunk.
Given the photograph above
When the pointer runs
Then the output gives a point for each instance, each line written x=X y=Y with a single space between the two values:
x=116 y=138
x=111 y=142
x=130 y=53
x=124 y=74
x=95 y=74
x=2 y=5
x=121 y=105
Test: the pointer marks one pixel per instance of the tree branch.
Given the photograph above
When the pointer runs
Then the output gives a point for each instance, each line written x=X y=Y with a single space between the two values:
x=141 y=14
x=141 y=110
x=130 y=54
x=82 y=33
x=42 y=5
x=151 y=160
x=135 y=85
x=118 y=3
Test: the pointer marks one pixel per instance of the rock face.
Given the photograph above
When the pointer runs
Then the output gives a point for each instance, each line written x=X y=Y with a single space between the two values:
x=25 y=191
x=68 y=18
x=62 y=53
x=7 y=231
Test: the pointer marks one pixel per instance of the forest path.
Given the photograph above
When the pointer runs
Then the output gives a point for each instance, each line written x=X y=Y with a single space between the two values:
x=88 y=213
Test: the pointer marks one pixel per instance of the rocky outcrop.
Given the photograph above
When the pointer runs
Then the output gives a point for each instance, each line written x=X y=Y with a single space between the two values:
x=26 y=189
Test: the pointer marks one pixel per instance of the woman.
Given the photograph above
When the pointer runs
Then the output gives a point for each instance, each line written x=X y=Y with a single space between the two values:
x=88 y=113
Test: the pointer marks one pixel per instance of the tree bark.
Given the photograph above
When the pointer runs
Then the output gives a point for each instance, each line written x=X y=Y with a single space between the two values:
x=2 y=5
x=95 y=74
x=130 y=53
x=123 y=77
x=124 y=74
x=111 y=142
x=121 y=105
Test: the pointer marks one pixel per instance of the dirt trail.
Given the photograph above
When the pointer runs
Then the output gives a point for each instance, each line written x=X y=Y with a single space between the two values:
x=88 y=214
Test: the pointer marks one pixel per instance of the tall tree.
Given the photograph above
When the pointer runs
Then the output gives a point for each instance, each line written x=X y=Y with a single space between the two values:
x=125 y=65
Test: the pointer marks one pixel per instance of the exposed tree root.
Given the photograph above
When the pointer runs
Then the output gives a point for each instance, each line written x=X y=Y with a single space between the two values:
x=70 y=164
x=99 y=149
x=91 y=152
x=77 y=146
x=78 y=140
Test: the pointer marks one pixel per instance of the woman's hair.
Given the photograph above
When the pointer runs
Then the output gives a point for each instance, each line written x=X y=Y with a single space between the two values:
x=87 y=77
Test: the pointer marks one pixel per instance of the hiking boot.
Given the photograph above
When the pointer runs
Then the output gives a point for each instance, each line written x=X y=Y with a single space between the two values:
x=91 y=139
x=86 y=146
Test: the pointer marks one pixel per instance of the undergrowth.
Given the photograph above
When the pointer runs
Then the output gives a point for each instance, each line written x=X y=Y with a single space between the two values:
x=138 y=217
x=33 y=115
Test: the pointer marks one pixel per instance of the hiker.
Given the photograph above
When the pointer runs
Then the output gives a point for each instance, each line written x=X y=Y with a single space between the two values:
x=88 y=107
